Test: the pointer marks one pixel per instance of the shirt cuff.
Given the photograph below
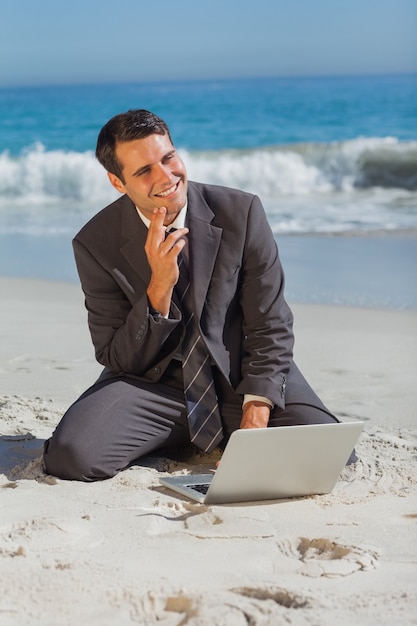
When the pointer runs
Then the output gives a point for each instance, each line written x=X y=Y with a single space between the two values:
x=157 y=314
x=248 y=397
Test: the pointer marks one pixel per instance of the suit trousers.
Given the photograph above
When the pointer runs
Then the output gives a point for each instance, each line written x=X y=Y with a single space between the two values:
x=122 y=418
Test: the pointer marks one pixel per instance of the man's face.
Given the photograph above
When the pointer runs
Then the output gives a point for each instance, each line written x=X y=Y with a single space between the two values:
x=154 y=175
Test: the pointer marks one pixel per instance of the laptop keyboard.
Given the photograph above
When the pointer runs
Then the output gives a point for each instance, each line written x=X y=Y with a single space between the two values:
x=201 y=487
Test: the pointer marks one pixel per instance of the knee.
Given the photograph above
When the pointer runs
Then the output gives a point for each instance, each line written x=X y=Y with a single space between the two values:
x=70 y=461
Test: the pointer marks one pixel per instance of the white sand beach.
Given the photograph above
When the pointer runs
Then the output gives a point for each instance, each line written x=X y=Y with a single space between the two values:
x=127 y=551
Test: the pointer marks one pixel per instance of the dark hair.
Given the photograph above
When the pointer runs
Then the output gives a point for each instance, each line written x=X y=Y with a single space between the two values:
x=134 y=124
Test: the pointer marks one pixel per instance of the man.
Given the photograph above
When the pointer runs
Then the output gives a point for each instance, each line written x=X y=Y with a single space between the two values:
x=174 y=271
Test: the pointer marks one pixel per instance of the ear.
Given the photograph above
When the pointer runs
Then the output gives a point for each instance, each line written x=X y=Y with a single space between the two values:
x=116 y=182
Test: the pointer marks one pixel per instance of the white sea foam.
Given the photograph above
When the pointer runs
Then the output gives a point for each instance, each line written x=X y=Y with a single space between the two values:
x=358 y=184
x=38 y=176
x=304 y=168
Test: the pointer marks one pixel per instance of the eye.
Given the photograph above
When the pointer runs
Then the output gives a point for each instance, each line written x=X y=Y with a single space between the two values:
x=141 y=172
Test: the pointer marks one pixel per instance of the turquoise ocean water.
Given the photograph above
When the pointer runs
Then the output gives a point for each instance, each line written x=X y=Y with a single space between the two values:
x=334 y=161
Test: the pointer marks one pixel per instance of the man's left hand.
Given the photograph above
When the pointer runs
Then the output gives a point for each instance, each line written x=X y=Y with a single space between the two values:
x=255 y=414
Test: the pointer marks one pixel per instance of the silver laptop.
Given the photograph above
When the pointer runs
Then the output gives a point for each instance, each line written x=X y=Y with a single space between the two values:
x=273 y=463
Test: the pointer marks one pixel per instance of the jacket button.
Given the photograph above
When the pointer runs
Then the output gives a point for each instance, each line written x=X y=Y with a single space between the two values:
x=157 y=370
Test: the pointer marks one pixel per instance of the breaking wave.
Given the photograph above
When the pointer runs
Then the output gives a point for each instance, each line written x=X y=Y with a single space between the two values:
x=40 y=186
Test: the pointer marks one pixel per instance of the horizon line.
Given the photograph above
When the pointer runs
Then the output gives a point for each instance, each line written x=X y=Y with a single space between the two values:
x=222 y=79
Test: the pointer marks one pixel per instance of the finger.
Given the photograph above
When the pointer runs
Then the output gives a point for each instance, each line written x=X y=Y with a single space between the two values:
x=177 y=238
x=156 y=227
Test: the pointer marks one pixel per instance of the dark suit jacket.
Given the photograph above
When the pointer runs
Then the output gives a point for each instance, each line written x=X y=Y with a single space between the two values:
x=238 y=286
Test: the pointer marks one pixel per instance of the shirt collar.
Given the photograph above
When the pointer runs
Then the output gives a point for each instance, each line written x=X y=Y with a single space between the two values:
x=179 y=221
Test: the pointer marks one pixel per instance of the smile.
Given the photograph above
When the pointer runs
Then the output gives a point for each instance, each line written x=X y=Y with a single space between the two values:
x=168 y=192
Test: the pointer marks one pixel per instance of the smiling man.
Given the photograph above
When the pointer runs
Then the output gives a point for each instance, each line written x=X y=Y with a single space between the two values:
x=152 y=174
x=185 y=297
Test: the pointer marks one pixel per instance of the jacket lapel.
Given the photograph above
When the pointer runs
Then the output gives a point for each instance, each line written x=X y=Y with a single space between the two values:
x=204 y=238
x=134 y=233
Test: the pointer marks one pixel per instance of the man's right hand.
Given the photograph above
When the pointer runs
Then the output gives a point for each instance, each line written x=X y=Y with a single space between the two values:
x=162 y=254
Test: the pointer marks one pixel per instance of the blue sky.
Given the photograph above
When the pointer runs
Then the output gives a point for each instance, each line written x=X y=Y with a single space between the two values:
x=84 y=41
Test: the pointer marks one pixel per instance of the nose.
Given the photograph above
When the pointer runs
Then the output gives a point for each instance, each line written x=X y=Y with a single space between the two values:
x=164 y=173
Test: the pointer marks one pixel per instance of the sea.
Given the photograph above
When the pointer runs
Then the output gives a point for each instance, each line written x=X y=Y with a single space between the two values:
x=333 y=159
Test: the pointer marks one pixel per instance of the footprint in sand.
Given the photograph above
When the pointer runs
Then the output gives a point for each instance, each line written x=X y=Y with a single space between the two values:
x=265 y=604
x=324 y=557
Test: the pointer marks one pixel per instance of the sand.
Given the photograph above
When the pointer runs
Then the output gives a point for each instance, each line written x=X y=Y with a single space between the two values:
x=127 y=551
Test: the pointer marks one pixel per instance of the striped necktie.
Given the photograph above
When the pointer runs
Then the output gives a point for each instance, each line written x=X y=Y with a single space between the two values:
x=204 y=419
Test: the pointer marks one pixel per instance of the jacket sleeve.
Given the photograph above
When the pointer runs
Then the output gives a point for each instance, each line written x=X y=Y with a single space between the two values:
x=126 y=336
x=267 y=319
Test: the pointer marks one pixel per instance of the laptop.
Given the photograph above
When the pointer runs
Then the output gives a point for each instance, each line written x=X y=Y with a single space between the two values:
x=273 y=463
